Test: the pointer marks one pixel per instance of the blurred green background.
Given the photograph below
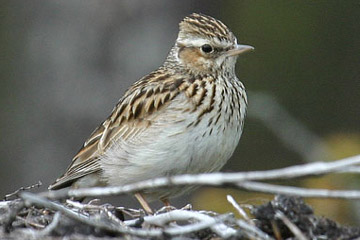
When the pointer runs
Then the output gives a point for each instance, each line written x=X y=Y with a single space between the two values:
x=64 y=65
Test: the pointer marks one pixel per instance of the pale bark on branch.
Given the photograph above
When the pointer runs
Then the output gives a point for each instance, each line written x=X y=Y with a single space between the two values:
x=240 y=180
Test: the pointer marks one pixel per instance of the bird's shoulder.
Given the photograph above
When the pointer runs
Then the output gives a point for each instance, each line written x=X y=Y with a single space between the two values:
x=133 y=114
x=144 y=99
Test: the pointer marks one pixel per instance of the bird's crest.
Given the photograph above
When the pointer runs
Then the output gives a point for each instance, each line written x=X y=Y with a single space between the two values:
x=199 y=25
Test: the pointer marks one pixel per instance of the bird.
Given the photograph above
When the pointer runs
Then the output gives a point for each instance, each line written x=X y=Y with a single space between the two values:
x=186 y=117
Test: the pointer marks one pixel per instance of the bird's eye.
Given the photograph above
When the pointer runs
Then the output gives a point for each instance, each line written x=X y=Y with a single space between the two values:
x=206 y=48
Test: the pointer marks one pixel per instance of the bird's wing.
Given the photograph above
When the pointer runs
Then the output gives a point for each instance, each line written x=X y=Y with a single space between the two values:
x=131 y=116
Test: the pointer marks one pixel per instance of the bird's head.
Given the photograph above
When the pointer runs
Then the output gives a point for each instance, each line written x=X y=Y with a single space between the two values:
x=206 y=46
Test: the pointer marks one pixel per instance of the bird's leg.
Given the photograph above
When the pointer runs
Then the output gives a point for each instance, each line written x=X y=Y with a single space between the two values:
x=144 y=203
x=167 y=204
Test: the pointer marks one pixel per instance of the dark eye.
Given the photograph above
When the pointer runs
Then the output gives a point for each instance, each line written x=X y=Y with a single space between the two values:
x=206 y=48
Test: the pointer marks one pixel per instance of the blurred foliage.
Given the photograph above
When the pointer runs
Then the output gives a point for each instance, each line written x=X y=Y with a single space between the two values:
x=341 y=145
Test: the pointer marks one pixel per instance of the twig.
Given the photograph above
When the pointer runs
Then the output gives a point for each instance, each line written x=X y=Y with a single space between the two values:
x=133 y=213
x=52 y=226
x=29 y=223
x=36 y=185
x=112 y=217
x=213 y=223
x=215 y=179
x=206 y=221
x=297 y=191
x=12 y=215
x=37 y=200
x=292 y=227
x=248 y=225
x=241 y=211
x=252 y=231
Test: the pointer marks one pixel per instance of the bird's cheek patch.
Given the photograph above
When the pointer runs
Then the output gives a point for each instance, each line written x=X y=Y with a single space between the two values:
x=192 y=57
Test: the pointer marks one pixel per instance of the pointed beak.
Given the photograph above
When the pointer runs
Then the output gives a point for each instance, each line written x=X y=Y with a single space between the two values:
x=239 y=49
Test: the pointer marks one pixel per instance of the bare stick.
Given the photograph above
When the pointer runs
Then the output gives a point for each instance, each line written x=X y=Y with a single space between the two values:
x=301 y=192
x=252 y=231
x=214 y=224
x=293 y=228
x=217 y=179
x=35 y=199
x=36 y=185
x=182 y=215
x=52 y=226
x=206 y=221
x=241 y=211
x=248 y=225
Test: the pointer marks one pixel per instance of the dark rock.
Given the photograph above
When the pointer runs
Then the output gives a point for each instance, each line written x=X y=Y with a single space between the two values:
x=303 y=217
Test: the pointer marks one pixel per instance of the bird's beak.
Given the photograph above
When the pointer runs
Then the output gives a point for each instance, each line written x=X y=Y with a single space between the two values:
x=239 y=49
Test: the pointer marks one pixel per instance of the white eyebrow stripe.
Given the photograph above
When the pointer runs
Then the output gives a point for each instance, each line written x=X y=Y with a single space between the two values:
x=198 y=42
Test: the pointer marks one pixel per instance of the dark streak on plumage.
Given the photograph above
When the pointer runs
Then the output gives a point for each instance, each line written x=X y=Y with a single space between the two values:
x=166 y=98
x=177 y=84
x=138 y=109
x=162 y=77
x=151 y=107
x=213 y=95
x=164 y=89
x=149 y=93
x=192 y=79
x=210 y=108
x=217 y=119
x=202 y=97
x=120 y=110
x=130 y=115
x=157 y=90
x=121 y=120
x=210 y=121
x=137 y=96
x=222 y=98
x=210 y=132
x=147 y=77
x=193 y=89
x=226 y=89
x=206 y=110
x=197 y=122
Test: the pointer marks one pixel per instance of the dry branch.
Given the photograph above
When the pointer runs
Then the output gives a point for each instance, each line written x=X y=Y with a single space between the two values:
x=165 y=223
x=202 y=221
x=237 y=180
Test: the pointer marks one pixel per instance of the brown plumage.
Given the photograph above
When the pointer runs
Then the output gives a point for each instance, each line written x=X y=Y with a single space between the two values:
x=185 y=117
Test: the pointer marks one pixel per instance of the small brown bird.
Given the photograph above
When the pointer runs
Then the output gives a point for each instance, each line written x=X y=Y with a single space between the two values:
x=185 y=117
